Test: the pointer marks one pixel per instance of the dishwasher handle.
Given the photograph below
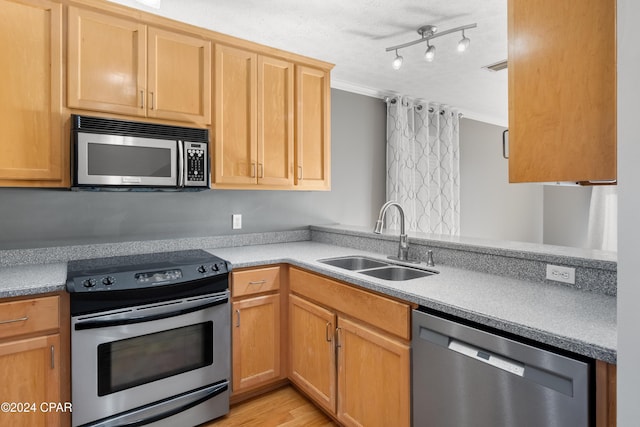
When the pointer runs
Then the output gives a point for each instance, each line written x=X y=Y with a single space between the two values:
x=489 y=358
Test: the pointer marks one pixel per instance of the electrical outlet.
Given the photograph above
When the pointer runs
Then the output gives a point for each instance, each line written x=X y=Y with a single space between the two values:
x=236 y=221
x=561 y=274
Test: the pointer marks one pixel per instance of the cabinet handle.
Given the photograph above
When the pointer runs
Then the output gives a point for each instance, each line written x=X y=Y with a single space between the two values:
x=504 y=144
x=152 y=104
x=300 y=173
x=258 y=282
x=21 y=319
x=327 y=333
x=53 y=358
x=338 y=345
x=237 y=318
x=253 y=170
x=261 y=170
x=142 y=99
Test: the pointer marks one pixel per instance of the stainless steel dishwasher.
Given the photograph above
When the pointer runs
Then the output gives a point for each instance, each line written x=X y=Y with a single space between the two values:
x=463 y=376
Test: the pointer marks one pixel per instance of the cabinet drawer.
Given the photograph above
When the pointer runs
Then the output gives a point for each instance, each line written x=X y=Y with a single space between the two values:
x=389 y=315
x=255 y=281
x=28 y=316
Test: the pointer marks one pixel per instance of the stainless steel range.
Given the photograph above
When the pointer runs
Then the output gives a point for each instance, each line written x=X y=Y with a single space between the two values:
x=150 y=339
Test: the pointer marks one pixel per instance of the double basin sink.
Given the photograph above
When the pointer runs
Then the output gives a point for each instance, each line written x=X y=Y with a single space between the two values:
x=376 y=268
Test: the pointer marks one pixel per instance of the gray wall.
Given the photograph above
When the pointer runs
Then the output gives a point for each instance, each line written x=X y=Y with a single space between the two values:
x=38 y=218
x=494 y=209
x=490 y=207
x=566 y=215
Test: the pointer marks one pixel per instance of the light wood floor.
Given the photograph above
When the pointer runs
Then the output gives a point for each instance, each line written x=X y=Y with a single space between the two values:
x=282 y=407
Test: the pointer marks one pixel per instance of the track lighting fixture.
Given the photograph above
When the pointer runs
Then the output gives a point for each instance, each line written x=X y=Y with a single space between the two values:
x=428 y=32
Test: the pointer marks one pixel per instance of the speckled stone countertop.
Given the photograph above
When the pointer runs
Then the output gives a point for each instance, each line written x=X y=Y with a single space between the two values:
x=578 y=321
x=575 y=320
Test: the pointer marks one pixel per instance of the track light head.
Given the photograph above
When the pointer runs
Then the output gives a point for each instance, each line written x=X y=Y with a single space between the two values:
x=430 y=53
x=463 y=44
x=397 y=62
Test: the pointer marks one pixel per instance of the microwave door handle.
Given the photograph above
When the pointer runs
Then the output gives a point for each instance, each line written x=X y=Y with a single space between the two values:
x=181 y=164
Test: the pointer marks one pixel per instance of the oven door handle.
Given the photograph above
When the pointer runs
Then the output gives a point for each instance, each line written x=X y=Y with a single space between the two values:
x=96 y=324
x=135 y=416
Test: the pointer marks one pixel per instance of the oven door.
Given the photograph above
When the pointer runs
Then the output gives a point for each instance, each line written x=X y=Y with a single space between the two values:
x=128 y=358
x=125 y=161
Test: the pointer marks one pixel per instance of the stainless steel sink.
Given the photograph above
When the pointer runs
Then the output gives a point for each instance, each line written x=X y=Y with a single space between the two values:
x=354 y=262
x=397 y=273
x=376 y=268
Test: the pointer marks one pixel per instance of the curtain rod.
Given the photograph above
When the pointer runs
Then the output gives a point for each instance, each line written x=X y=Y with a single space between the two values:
x=417 y=107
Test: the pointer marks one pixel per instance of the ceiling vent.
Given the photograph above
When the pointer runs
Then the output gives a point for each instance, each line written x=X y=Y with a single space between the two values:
x=501 y=65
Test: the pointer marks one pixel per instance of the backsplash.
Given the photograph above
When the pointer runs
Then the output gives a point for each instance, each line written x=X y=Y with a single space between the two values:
x=521 y=261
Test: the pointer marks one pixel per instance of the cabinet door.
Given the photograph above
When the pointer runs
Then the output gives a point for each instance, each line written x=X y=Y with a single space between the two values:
x=275 y=122
x=256 y=341
x=562 y=90
x=313 y=129
x=235 y=116
x=312 y=351
x=373 y=378
x=33 y=151
x=179 y=79
x=107 y=63
x=30 y=372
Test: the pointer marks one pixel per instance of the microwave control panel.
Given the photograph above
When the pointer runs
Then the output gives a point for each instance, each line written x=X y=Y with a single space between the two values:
x=196 y=163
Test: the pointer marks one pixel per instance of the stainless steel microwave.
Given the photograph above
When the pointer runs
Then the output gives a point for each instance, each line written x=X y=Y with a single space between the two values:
x=125 y=155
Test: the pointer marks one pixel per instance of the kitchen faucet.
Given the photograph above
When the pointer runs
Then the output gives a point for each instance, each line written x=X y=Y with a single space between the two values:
x=403 y=247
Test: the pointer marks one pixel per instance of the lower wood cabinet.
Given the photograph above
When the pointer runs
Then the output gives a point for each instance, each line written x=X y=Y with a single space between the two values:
x=256 y=341
x=256 y=328
x=356 y=371
x=373 y=377
x=31 y=363
x=312 y=351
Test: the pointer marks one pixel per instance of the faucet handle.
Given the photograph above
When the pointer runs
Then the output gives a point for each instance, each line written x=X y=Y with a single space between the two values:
x=430 y=262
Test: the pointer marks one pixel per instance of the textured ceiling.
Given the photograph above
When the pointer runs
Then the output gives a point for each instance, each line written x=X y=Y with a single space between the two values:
x=353 y=35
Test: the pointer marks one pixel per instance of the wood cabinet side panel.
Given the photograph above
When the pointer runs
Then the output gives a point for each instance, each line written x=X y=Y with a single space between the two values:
x=391 y=316
x=562 y=101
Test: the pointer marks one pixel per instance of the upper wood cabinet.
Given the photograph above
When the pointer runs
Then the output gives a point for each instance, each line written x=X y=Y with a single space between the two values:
x=33 y=152
x=562 y=90
x=254 y=119
x=313 y=129
x=121 y=66
x=272 y=124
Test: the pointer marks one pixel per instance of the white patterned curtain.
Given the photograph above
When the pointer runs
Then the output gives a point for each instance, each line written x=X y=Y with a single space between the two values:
x=423 y=166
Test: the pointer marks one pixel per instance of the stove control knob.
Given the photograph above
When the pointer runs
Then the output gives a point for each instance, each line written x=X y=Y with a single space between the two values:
x=215 y=267
x=89 y=283
x=202 y=269
x=109 y=280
